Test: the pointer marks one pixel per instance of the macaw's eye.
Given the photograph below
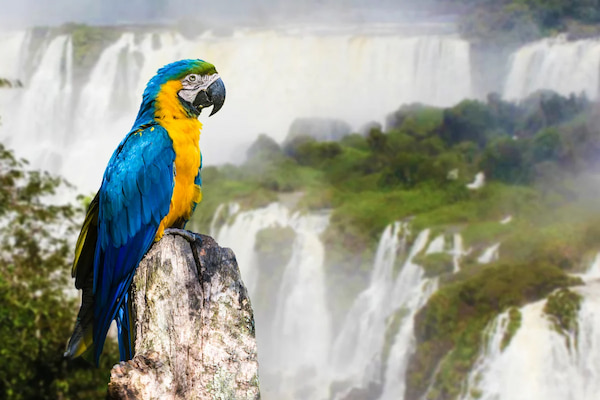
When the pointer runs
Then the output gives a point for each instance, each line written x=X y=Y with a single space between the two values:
x=192 y=78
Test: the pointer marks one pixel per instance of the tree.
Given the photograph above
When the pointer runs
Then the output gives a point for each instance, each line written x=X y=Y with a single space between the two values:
x=504 y=160
x=36 y=312
x=467 y=121
x=264 y=148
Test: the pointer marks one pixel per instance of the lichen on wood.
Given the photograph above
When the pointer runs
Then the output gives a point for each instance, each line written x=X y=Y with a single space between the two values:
x=194 y=325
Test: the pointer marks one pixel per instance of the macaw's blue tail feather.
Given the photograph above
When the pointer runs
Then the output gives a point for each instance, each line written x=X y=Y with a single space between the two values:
x=103 y=322
x=124 y=325
x=112 y=299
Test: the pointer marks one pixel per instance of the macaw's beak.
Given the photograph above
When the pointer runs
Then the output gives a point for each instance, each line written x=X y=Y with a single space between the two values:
x=213 y=95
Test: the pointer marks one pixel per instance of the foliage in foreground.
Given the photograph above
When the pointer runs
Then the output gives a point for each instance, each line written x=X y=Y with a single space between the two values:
x=36 y=313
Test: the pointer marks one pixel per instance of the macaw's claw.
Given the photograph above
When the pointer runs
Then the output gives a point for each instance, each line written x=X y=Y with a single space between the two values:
x=187 y=235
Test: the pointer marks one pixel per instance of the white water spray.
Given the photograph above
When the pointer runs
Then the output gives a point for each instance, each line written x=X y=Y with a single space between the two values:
x=538 y=364
x=489 y=254
x=40 y=115
x=357 y=358
x=272 y=78
x=541 y=363
x=293 y=343
x=356 y=355
x=557 y=64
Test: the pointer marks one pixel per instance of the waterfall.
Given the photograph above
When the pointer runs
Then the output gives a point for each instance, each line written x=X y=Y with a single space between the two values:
x=457 y=252
x=436 y=245
x=557 y=64
x=14 y=47
x=540 y=363
x=41 y=114
x=294 y=341
x=98 y=94
x=241 y=235
x=382 y=317
x=490 y=254
x=411 y=292
x=302 y=321
x=594 y=271
x=299 y=357
x=356 y=355
x=272 y=78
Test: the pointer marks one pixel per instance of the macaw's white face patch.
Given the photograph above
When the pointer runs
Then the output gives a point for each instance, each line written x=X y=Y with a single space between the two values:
x=202 y=91
x=193 y=83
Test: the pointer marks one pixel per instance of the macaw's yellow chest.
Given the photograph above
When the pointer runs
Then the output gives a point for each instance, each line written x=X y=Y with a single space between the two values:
x=184 y=131
x=185 y=134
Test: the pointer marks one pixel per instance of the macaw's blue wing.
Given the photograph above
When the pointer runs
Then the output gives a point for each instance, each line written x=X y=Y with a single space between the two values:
x=134 y=197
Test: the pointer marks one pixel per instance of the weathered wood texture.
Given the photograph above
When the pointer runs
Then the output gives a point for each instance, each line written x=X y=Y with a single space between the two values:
x=194 y=326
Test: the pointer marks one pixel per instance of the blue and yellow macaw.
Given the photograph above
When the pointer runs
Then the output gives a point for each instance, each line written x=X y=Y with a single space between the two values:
x=152 y=182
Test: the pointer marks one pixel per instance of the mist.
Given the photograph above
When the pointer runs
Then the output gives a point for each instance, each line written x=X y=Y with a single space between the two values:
x=396 y=111
x=29 y=13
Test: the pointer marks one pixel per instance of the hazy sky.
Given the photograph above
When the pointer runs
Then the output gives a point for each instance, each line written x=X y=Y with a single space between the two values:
x=24 y=13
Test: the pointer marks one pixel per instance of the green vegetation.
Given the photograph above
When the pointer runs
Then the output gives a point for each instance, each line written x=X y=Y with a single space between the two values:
x=88 y=42
x=449 y=328
x=518 y=21
x=391 y=330
x=435 y=264
x=539 y=159
x=7 y=83
x=514 y=323
x=36 y=315
x=274 y=245
x=530 y=154
x=231 y=186
x=273 y=252
x=562 y=308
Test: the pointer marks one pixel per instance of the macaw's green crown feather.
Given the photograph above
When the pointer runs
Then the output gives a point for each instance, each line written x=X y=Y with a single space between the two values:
x=176 y=71
x=180 y=69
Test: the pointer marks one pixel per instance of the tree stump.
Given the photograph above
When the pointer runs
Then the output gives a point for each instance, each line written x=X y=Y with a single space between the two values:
x=194 y=326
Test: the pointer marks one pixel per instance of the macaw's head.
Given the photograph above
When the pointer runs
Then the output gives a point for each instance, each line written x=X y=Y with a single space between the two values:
x=186 y=86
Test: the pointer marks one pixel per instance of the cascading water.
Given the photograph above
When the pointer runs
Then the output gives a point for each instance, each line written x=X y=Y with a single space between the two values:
x=411 y=291
x=301 y=360
x=14 y=50
x=272 y=78
x=302 y=322
x=489 y=254
x=556 y=64
x=241 y=235
x=436 y=245
x=385 y=312
x=541 y=363
x=356 y=355
x=39 y=117
x=72 y=127
x=458 y=252
x=294 y=342
x=300 y=73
